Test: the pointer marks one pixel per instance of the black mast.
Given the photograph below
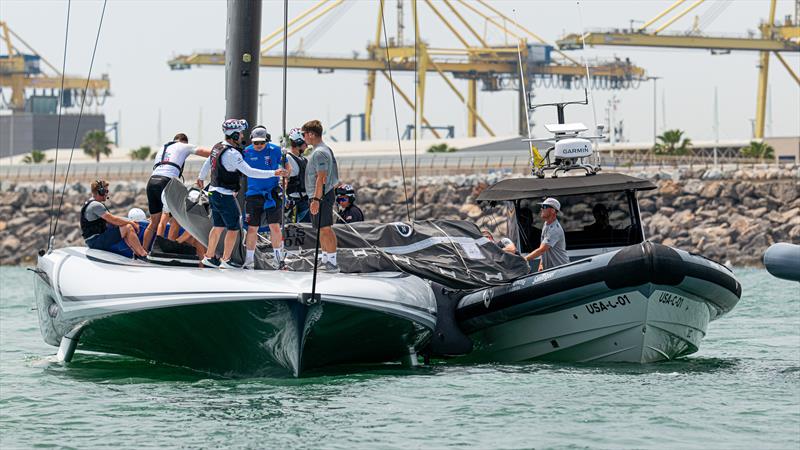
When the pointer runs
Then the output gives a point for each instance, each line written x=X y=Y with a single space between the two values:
x=242 y=55
x=242 y=59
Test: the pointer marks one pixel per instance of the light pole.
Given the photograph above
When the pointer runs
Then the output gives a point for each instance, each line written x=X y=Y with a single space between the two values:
x=655 y=116
x=261 y=108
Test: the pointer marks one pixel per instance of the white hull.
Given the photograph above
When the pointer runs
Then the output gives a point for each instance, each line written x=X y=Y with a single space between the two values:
x=625 y=327
x=641 y=304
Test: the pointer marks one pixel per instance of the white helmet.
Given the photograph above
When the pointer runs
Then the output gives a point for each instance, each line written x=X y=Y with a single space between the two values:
x=296 y=137
x=231 y=126
x=137 y=214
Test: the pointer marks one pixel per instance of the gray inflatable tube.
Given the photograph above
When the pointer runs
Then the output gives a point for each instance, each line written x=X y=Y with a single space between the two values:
x=783 y=261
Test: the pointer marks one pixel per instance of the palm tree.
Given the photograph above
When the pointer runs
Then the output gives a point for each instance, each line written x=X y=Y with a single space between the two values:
x=96 y=143
x=441 y=148
x=36 y=157
x=141 y=153
x=672 y=142
x=760 y=150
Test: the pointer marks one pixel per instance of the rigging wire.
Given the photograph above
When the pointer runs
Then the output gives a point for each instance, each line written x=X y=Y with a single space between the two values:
x=77 y=127
x=50 y=232
x=284 y=137
x=588 y=91
x=416 y=96
x=394 y=106
x=533 y=152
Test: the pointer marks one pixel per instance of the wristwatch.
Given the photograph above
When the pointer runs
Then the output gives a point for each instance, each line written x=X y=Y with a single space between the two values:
x=316 y=199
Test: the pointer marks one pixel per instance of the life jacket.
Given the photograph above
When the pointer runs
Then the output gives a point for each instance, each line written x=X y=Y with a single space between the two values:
x=296 y=186
x=169 y=163
x=220 y=176
x=90 y=228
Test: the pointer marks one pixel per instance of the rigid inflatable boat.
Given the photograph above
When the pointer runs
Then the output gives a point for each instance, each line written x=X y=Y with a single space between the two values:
x=621 y=297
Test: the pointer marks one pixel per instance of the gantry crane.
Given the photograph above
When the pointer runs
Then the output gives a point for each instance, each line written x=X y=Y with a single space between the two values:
x=496 y=67
x=22 y=71
x=775 y=39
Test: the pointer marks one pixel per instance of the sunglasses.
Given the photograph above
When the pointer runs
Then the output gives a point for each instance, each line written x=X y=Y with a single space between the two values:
x=546 y=206
x=342 y=199
x=259 y=143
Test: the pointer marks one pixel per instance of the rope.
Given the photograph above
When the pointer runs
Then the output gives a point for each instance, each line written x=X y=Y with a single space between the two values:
x=80 y=115
x=50 y=231
x=394 y=106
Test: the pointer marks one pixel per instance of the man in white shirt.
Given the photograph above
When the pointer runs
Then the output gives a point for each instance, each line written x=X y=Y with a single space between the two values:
x=226 y=166
x=168 y=163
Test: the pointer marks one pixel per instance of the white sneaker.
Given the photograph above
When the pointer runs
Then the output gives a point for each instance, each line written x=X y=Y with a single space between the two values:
x=228 y=265
x=249 y=265
x=211 y=262
x=328 y=268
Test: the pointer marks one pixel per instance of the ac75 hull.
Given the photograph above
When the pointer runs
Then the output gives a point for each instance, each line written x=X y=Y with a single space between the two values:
x=235 y=323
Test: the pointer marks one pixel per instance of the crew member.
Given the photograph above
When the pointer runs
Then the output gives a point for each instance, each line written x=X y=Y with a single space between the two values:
x=297 y=199
x=553 y=247
x=346 y=199
x=263 y=196
x=601 y=223
x=168 y=163
x=226 y=166
x=101 y=229
x=322 y=175
x=505 y=244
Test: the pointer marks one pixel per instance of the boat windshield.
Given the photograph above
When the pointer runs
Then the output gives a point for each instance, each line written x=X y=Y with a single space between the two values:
x=589 y=221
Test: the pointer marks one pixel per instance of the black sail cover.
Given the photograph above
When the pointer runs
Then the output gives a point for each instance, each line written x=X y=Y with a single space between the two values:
x=450 y=252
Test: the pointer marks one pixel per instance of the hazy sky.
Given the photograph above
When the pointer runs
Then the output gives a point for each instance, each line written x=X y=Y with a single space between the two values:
x=139 y=37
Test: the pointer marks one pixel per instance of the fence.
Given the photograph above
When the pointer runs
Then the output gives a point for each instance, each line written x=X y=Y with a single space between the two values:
x=376 y=166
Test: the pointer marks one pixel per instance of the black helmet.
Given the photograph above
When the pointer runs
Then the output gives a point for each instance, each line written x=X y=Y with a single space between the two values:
x=347 y=190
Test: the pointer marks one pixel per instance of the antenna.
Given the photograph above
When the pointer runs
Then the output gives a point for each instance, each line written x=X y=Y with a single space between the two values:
x=536 y=158
x=588 y=90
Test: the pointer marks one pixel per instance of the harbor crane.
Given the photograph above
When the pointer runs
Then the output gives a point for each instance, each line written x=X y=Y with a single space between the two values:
x=21 y=72
x=775 y=38
x=495 y=66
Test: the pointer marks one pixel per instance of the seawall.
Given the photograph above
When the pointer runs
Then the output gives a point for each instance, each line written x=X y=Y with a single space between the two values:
x=728 y=216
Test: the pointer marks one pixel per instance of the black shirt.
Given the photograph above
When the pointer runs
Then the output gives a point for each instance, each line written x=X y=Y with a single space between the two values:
x=351 y=214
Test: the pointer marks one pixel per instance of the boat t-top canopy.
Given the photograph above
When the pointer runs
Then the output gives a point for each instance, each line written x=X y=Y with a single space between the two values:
x=521 y=188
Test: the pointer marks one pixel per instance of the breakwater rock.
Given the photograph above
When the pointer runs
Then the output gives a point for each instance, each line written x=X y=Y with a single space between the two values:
x=727 y=216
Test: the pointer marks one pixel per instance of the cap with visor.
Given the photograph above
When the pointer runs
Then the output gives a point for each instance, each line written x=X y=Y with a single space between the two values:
x=551 y=202
x=259 y=135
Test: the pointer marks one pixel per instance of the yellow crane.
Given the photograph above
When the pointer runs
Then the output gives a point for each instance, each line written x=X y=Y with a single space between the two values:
x=774 y=39
x=496 y=67
x=22 y=71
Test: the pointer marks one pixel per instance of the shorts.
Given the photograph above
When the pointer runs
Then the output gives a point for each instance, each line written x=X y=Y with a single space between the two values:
x=155 y=186
x=325 y=216
x=224 y=211
x=105 y=240
x=254 y=208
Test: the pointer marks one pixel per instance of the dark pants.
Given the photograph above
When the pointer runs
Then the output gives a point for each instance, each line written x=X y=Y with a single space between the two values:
x=324 y=217
x=105 y=240
x=224 y=211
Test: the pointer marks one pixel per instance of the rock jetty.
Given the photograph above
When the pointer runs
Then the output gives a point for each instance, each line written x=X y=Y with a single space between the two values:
x=727 y=216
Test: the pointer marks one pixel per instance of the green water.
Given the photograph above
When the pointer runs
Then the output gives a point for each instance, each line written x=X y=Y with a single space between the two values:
x=741 y=390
